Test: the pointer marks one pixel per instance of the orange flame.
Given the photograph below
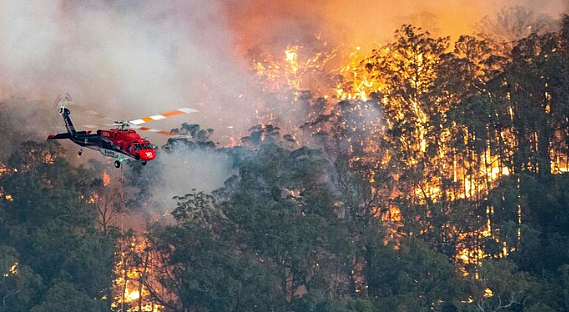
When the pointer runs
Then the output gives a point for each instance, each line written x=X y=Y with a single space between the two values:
x=106 y=178
x=130 y=292
x=12 y=271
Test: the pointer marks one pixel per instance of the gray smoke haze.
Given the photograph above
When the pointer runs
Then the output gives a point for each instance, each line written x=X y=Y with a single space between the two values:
x=186 y=169
x=129 y=59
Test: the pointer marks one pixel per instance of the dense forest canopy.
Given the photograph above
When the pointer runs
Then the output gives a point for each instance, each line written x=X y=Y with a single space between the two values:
x=434 y=179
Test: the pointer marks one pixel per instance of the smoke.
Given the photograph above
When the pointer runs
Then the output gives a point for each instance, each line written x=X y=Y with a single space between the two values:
x=364 y=22
x=128 y=59
x=19 y=122
x=370 y=23
x=187 y=169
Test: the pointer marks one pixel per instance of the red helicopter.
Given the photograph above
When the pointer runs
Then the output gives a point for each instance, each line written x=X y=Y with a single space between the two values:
x=122 y=142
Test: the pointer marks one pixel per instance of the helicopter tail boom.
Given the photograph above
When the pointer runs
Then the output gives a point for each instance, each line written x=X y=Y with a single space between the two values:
x=68 y=124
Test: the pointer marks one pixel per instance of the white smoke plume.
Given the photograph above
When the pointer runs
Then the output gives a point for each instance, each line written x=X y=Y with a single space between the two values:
x=188 y=169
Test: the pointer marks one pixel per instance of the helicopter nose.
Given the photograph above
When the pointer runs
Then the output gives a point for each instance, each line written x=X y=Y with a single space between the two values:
x=147 y=155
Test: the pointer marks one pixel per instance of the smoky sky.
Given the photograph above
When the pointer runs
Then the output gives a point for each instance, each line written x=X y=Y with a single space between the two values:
x=364 y=22
x=128 y=59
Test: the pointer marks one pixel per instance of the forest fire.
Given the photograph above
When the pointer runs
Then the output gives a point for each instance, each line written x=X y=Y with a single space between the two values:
x=423 y=174
x=12 y=271
x=473 y=176
x=134 y=270
x=355 y=81
x=134 y=262
x=295 y=69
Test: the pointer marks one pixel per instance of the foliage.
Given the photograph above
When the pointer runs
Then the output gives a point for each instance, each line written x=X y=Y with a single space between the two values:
x=48 y=231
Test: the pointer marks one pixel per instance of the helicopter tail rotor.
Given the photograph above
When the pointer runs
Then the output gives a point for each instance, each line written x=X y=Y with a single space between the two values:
x=62 y=101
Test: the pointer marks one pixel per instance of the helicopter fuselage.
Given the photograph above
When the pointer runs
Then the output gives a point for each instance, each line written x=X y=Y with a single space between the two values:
x=122 y=144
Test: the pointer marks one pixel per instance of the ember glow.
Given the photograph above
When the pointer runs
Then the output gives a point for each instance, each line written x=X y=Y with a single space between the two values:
x=106 y=178
x=13 y=270
x=134 y=270
x=5 y=170
x=356 y=82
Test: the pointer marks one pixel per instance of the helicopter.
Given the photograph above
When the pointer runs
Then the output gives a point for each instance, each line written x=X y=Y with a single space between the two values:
x=122 y=142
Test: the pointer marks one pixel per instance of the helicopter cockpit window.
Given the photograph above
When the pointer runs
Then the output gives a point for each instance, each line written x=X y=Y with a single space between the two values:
x=137 y=147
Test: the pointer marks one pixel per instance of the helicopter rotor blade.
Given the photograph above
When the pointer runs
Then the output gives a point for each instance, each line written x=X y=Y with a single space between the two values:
x=159 y=131
x=66 y=101
x=179 y=111
x=164 y=132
